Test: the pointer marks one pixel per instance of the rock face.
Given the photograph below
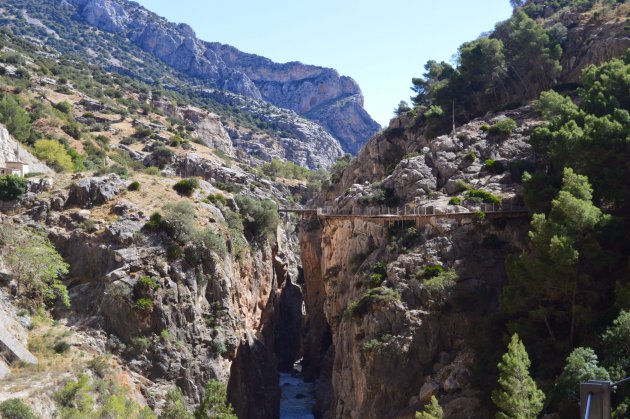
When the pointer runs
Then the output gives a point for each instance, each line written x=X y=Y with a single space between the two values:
x=9 y=149
x=383 y=349
x=209 y=130
x=318 y=93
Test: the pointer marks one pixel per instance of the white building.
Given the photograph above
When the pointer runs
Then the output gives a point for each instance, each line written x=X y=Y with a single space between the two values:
x=14 y=168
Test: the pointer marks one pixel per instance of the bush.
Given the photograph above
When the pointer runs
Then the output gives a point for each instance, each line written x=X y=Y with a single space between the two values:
x=442 y=281
x=64 y=107
x=186 y=187
x=212 y=241
x=217 y=199
x=12 y=187
x=73 y=130
x=494 y=167
x=485 y=196
x=54 y=154
x=338 y=167
x=61 y=346
x=178 y=221
x=455 y=201
x=146 y=283
x=503 y=127
x=14 y=118
x=260 y=216
x=162 y=156
x=373 y=296
x=432 y=271
x=134 y=186
x=153 y=171
x=16 y=409
x=144 y=304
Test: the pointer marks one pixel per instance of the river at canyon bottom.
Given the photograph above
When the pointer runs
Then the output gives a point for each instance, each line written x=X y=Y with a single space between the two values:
x=298 y=396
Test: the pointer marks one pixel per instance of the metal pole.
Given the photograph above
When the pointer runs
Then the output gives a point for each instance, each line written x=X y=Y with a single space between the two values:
x=588 y=406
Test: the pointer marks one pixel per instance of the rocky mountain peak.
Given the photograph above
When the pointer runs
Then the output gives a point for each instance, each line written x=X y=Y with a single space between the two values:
x=318 y=93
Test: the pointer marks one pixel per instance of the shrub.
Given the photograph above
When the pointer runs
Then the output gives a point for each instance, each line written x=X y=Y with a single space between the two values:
x=442 y=281
x=144 y=304
x=153 y=171
x=494 y=166
x=503 y=127
x=432 y=271
x=16 y=409
x=260 y=216
x=146 y=283
x=61 y=346
x=455 y=201
x=338 y=167
x=485 y=196
x=217 y=199
x=14 y=118
x=162 y=156
x=64 y=107
x=155 y=222
x=73 y=130
x=54 y=154
x=186 y=187
x=211 y=241
x=372 y=296
x=134 y=186
x=12 y=187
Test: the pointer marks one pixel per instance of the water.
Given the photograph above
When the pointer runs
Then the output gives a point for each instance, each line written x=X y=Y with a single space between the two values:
x=298 y=397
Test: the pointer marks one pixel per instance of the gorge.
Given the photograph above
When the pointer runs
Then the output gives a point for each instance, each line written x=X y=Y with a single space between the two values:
x=191 y=240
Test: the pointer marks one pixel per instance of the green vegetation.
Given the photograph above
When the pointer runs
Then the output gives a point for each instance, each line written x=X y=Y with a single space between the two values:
x=504 y=127
x=15 y=118
x=218 y=200
x=455 y=201
x=285 y=169
x=12 y=187
x=373 y=296
x=517 y=396
x=175 y=407
x=134 y=186
x=515 y=62
x=339 y=166
x=494 y=167
x=36 y=267
x=16 y=409
x=214 y=403
x=186 y=187
x=260 y=217
x=54 y=154
x=484 y=196
x=432 y=410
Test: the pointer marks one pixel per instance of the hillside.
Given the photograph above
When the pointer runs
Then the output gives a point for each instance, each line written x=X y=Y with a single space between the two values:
x=124 y=37
x=147 y=268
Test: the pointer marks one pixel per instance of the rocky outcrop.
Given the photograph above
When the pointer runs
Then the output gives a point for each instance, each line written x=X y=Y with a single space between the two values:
x=209 y=130
x=87 y=193
x=381 y=346
x=10 y=149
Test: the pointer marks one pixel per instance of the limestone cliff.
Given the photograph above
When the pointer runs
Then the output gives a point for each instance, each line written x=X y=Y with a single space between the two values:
x=382 y=345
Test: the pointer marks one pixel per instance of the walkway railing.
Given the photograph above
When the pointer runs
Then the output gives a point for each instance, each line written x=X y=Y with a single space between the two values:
x=410 y=211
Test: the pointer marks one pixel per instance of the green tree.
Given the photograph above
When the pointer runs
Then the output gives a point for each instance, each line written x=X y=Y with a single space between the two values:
x=432 y=410
x=260 y=216
x=483 y=69
x=15 y=118
x=214 y=403
x=616 y=345
x=517 y=396
x=36 y=266
x=12 y=187
x=54 y=154
x=175 y=407
x=581 y=365
x=531 y=56
x=550 y=286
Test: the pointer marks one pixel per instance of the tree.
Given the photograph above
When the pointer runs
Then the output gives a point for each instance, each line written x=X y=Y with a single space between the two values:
x=12 y=187
x=16 y=409
x=432 y=410
x=214 y=403
x=36 y=266
x=581 y=365
x=54 y=154
x=550 y=287
x=518 y=397
x=15 y=118
x=616 y=344
x=175 y=407
x=402 y=108
x=482 y=68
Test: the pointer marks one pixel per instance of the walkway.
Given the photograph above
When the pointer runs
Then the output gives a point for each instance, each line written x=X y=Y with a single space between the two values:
x=409 y=213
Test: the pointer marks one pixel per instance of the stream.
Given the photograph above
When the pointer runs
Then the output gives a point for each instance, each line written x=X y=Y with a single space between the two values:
x=298 y=396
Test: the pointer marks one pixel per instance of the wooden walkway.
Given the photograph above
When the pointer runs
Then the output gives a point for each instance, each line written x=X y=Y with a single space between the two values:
x=409 y=213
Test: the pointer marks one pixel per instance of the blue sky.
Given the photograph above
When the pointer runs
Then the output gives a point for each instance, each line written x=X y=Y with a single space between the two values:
x=381 y=44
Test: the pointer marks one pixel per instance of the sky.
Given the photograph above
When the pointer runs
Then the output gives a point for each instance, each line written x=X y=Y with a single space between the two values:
x=380 y=44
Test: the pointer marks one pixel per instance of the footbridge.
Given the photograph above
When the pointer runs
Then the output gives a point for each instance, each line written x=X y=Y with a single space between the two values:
x=420 y=215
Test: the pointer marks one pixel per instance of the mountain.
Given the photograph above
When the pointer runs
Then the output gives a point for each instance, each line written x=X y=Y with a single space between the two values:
x=125 y=37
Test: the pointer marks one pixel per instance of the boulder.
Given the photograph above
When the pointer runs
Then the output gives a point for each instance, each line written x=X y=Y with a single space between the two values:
x=94 y=191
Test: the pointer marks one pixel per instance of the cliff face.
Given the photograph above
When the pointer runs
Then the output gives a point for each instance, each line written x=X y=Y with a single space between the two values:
x=382 y=349
x=315 y=92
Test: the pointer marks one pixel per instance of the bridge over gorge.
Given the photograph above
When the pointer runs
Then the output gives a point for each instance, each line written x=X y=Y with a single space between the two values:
x=421 y=215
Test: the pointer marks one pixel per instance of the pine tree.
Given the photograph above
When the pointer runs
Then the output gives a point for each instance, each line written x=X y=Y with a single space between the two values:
x=518 y=397
x=432 y=410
